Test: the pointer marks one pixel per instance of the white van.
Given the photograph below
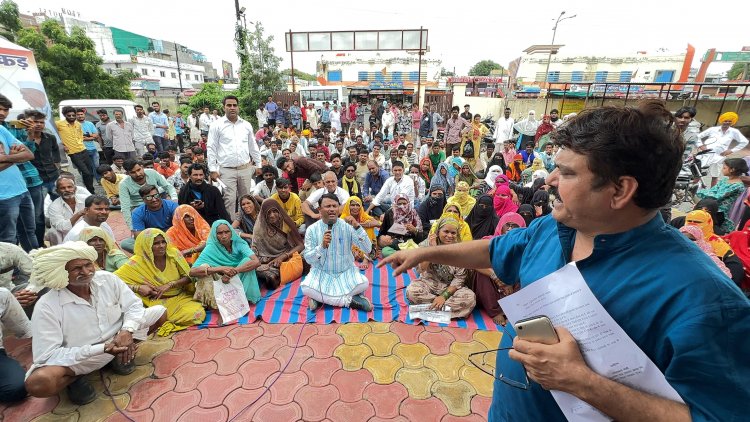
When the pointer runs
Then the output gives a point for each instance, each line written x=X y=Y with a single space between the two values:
x=92 y=106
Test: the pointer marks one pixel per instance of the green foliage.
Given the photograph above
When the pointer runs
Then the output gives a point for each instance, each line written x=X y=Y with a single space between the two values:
x=483 y=68
x=259 y=70
x=446 y=72
x=9 y=20
x=736 y=71
x=299 y=75
x=69 y=65
x=210 y=95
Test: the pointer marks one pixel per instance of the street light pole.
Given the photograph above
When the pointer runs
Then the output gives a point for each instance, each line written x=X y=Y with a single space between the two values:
x=554 y=34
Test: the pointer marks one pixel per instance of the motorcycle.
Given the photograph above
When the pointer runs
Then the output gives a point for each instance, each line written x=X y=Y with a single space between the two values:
x=489 y=121
x=690 y=179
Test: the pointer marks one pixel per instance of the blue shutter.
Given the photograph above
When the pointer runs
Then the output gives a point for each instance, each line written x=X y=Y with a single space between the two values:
x=626 y=76
x=577 y=76
x=601 y=76
x=362 y=76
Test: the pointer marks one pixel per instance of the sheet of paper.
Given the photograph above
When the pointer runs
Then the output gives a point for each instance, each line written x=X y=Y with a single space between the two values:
x=566 y=299
x=230 y=298
x=397 y=228
x=424 y=313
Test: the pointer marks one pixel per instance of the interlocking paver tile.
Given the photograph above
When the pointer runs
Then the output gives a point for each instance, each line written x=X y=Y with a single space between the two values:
x=418 y=381
x=324 y=345
x=315 y=401
x=386 y=398
x=270 y=412
x=456 y=396
x=148 y=350
x=214 y=388
x=30 y=409
x=264 y=347
x=383 y=368
x=447 y=367
x=353 y=333
x=292 y=333
x=142 y=416
x=380 y=327
x=430 y=410
x=51 y=417
x=328 y=328
x=101 y=408
x=438 y=342
x=172 y=405
x=351 y=385
x=460 y=334
x=481 y=405
x=197 y=413
x=411 y=354
x=166 y=363
x=408 y=333
x=120 y=384
x=320 y=371
x=469 y=418
x=491 y=339
x=298 y=357
x=229 y=360
x=381 y=344
x=240 y=398
x=465 y=349
x=360 y=411
x=287 y=385
x=241 y=337
x=396 y=419
x=184 y=340
x=478 y=379
x=272 y=330
x=254 y=373
x=353 y=357
x=146 y=391
x=190 y=374
x=205 y=350
x=220 y=332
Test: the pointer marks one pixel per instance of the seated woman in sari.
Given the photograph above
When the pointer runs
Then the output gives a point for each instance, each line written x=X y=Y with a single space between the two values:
x=353 y=208
x=245 y=223
x=695 y=234
x=110 y=258
x=278 y=245
x=189 y=232
x=488 y=288
x=443 y=285
x=226 y=254
x=703 y=221
x=159 y=275
x=729 y=188
x=400 y=224
x=536 y=165
x=467 y=176
x=452 y=210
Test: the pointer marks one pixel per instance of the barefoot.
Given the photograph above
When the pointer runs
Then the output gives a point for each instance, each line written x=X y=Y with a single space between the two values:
x=500 y=319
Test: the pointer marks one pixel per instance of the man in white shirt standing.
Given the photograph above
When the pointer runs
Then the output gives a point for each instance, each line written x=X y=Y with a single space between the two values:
x=503 y=129
x=718 y=139
x=396 y=184
x=232 y=153
x=262 y=115
x=87 y=320
x=204 y=121
x=143 y=130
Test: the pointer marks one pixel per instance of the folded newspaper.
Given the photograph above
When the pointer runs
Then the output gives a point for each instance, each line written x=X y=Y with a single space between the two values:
x=424 y=313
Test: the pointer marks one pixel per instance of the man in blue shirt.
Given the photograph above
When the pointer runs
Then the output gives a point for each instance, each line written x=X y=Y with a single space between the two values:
x=161 y=124
x=374 y=181
x=179 y=130
x=271 y=109
x=153 y=213
x=688 y=317
x=90 y=138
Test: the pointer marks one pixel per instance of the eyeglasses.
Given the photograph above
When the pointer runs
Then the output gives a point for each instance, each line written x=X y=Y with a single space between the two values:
x=150 y=197
x=489 y=370
x=349 y=171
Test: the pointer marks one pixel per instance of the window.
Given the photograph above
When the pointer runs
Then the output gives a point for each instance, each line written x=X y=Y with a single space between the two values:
x=664 y=76
x=198 y=77
x=174 y=75
x=144 y=71
x=626 y=76
x=187 y=76
x=334 y=76
x=553 y=76
x=162 y=73
x=576 y=76
x=601 y=76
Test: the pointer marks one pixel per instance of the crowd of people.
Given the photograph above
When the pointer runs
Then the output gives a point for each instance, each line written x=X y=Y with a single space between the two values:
x=309 y=193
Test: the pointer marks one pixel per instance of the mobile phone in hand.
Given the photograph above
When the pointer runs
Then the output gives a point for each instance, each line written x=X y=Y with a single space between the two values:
x=538 y=329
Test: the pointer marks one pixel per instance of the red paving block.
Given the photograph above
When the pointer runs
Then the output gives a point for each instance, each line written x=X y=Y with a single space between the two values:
x=166 y=363
x=292 y=333
x=315 y=401
x=351 y=412
x=471 y=418
x=351 y=385
x=172 y=405
x=320 y=371
x=461 y=334
x=184 y=340
x=264 y=347
x=432 y=328
x=409 y=334
x=272 y=330
x=142 y=416
x=430 y=410
x=386 y=399
x=240 y=398
x=190 y=374
x=205 y=350
x=146 y=391
x=30 y=409
x=298 y=357
x=220 y=332
x=255 y=373
x=229 y=360
x=215 y=388
x=275 y=413
x=327 y=328
x=324 y=345
x=396 y=419
x=481 y=405
x=244 y=334
x=196 y=413
x=439 y=343
x=284 y=389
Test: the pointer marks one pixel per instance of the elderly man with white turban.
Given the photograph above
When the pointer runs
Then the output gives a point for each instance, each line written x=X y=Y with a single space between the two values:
x=87 y=320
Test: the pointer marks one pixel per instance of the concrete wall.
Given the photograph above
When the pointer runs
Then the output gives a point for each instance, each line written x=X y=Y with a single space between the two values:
x=481 y=105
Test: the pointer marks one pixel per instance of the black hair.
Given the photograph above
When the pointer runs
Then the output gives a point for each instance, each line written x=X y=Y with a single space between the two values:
x=477 y=115
x=118 y=157
x=353 y=147
x=33 y=114
x=280 y=162
x=402 y=147
x=80 y=110
x=129 y=164
x=6 y=103
x=467 y=105
x=282 y=182
x=196 y=166
x=198 y=150
x=103 y=169
x=397 y=164
x=229 y=97
x=642 y=142
x=335 y=155
x=416 y=166
x=172 y=148
x=68 y=109
x=95 y=199
x=350 y=165
x=683 y=110
x=269 y=169
x=136 y=107
x=102 y=111
x=554 y=110
x=163 y=154
x=146 y=189
x=455 y=108
x=147 y=156
x=185 y=160
x=148 y=163
x=315 y=177
x=330 y=196
x=155 y=102
x=737 y=166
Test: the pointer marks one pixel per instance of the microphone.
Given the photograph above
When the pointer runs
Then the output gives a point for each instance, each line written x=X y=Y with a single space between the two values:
x=330 y=225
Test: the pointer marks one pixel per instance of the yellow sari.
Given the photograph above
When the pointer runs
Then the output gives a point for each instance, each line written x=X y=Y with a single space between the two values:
x=464 y=230
x=363 y=218
x=182 y=310
x=462 y=199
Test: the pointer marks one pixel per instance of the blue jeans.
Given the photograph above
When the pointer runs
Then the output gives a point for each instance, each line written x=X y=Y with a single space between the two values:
x=161 y=143
x=94 y=155
x=11 y=379
x=19 y=227
x=37 y=197
x=50 y=187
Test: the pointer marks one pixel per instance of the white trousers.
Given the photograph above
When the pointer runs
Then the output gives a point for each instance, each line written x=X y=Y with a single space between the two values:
x=339 y=301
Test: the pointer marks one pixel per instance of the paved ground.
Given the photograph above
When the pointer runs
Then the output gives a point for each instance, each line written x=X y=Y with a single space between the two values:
x=338 y=372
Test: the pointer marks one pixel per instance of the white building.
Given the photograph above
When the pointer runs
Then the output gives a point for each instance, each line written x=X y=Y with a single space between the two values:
x=163 y=71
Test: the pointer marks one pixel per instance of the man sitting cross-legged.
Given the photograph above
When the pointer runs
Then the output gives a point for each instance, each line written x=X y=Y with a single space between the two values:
x=88 y=320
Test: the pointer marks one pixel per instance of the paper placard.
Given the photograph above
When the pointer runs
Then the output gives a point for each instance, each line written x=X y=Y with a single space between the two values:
x=230 y=299
x=424 y=313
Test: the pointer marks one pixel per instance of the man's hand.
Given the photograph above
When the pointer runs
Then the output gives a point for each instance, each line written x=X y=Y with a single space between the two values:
x=215 y=175
x=726 y=153
x=114 y=200
x=197 y=204
x=368 y=198
x=327 y=237
x=553 y=366
x=402 y=261
x=25 y=297
x=113 y=349
x=124 y=340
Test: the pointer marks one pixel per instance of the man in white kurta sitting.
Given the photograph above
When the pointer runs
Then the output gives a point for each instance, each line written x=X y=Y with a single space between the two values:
x=330 y=185
x=333 y=277
x=95 y=213
x=87 y=320
x=64 y=211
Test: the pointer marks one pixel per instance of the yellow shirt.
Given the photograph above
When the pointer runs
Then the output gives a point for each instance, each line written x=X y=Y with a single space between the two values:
x=292 y=206
x=71 y=136
x=112 y=189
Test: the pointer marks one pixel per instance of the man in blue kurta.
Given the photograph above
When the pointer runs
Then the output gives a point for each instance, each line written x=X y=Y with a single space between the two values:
x=615 y=169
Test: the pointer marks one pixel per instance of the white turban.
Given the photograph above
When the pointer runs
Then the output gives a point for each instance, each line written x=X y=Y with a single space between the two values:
x=49 y=264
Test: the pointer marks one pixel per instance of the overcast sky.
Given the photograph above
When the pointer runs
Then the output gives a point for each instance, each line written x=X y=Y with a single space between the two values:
x=488 y=29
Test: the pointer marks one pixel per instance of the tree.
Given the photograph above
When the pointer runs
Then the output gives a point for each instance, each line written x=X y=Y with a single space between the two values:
x=69 y=65
x=736 y=71
x=483 y=68
x=446 y=72
x=299 y=75
x=211 y=95
x=9 y=20
x=259 y=69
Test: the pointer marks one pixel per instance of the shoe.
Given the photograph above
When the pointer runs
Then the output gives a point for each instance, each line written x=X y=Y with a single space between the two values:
x=120 y=368
x=312 y=304
x=81 y=392
x=360 y=302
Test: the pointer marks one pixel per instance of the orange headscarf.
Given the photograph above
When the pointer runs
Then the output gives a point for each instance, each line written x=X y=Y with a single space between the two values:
x=703 y=221
x=183 y=238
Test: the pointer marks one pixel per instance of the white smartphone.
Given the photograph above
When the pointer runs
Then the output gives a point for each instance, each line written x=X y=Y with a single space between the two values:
x=538 y=329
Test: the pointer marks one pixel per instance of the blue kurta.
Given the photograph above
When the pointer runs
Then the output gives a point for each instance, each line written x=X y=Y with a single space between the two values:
x=668 y=296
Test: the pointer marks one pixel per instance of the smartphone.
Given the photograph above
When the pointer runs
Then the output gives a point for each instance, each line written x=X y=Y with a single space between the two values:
x=538 y=329
x=17 y=124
